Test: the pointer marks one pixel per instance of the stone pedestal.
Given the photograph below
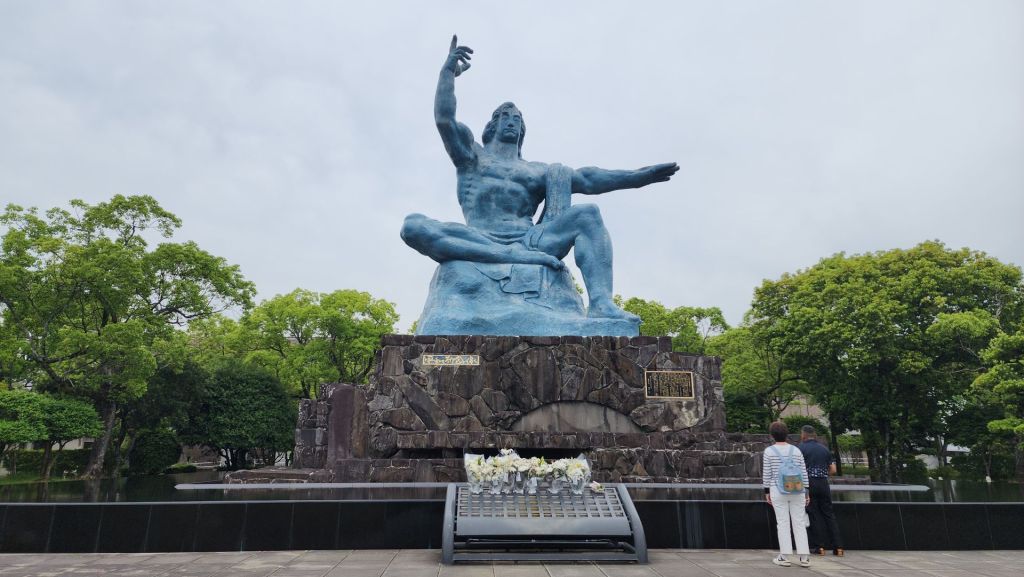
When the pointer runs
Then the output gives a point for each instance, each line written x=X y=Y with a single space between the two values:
x=433 y=398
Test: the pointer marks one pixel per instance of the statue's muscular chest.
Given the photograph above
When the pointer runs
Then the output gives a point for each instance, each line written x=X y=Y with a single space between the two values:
x=501 y=188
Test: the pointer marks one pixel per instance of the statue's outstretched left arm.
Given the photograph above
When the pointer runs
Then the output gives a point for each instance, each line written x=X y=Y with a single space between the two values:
x=593 y=180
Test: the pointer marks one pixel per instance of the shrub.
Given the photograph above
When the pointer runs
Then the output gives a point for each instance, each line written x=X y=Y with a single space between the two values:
x=154 y=450
x=795 y=422
x=850 y=443
x=913 y=471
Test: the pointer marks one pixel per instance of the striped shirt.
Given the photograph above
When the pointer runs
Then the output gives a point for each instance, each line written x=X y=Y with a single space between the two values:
x=771 y=463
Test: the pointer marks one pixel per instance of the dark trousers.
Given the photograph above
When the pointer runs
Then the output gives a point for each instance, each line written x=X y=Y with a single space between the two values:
x=824 y=528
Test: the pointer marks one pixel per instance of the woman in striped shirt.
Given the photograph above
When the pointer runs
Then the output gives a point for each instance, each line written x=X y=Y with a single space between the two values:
x=789 y=507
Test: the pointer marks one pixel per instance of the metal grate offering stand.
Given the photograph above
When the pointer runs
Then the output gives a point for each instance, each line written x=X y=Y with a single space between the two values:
x=593 y=526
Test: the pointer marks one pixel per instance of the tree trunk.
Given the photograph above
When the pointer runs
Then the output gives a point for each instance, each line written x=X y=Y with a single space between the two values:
x=834 y=446
x=884 y=454
x=128 y=450
x=238 y=458
x=94 y=470
x=226 y=456
x=118 y=455
x=48 y=459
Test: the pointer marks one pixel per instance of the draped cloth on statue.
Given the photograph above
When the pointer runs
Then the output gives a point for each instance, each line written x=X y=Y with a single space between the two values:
x=531 y=279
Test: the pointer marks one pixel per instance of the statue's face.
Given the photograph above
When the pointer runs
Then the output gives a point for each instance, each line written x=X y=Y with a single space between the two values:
x=510 y=125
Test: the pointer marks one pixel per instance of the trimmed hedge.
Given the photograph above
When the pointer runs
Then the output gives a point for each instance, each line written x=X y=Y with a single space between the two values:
x=68 y=463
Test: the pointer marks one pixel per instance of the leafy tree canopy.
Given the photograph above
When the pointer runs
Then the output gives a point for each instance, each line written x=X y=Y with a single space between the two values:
x=1001 y=387
x=689 y=327
x=241 y=407
x=22 y=418
x=889 y=341
x=83 y=295
x=308 y=338
x=754 y=370
x=68 y=419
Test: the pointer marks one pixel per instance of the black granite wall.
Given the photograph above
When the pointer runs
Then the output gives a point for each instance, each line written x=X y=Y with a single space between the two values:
x=289 y=525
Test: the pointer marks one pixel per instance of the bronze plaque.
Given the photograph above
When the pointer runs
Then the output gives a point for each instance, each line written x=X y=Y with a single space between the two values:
x=450 y=360
x=670 y=384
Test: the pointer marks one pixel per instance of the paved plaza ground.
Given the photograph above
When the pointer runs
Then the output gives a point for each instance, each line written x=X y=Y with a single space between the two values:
x=417 y=563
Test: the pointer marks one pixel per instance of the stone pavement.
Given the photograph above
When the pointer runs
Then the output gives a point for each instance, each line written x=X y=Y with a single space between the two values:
x=420 y=563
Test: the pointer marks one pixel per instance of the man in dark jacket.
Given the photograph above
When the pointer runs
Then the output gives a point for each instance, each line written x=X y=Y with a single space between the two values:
x=820 y=464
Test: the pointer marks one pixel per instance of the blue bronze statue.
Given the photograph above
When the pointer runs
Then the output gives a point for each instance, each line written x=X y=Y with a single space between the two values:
x=500 y=273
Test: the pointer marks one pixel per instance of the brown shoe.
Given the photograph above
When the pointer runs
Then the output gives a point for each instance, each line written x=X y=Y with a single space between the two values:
x=838 y=552
x=819 y=551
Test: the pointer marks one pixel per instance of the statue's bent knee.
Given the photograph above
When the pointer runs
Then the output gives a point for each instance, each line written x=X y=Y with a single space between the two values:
x=415 y=230
x=588 y=215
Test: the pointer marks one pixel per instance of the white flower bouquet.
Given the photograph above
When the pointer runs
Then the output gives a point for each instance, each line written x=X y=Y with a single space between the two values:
x=508 y=472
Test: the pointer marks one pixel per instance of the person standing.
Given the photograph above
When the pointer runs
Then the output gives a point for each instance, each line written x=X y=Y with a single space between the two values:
x=784 y=477
x=820 y=464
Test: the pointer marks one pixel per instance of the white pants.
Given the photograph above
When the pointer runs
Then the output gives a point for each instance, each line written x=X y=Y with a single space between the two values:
x=789 y=510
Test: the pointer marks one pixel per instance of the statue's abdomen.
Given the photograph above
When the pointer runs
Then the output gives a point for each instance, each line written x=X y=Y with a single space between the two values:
x=493 y=204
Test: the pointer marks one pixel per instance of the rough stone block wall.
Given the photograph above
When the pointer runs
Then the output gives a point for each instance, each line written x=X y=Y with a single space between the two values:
x=559 y=395
x=311 y=435
x=517 y=375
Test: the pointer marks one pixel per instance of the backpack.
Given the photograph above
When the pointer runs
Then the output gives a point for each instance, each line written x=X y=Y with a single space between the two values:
x=791 y=477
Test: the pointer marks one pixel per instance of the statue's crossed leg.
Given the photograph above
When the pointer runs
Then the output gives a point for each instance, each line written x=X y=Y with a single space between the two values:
x=579 y=227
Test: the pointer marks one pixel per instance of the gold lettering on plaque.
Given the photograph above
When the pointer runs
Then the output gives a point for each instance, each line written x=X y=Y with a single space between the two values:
x=450 y=360
x=671 y=384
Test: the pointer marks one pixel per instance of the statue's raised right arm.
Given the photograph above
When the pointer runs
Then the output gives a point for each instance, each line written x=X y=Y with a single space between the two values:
x=458 y=139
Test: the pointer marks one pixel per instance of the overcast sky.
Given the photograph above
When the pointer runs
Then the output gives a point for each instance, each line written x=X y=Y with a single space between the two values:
x=293 y=137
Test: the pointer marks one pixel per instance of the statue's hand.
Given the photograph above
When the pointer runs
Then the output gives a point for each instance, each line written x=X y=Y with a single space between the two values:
x=458 y=57
x=659 y=172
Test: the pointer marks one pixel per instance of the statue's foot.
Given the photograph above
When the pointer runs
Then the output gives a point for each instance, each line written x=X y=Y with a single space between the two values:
x=606 y=309
x=524 y=256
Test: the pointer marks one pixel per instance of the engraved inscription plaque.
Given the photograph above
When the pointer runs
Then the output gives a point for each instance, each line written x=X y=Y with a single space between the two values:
x=669 y=384
x=450 y=360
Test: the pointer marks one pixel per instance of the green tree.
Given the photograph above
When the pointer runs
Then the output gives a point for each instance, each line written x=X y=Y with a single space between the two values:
x=86 y=296
x=22 y=418
x=15 y=370
x=1002 y=385
x=689 y=327
x=308 y=338
x=888 y=341
x=754 y=370
x=241 y=408
x=968 y=427
x=66 y=419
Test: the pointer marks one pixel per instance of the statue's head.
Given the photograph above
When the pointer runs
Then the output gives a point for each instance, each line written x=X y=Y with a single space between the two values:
x=506 y=125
